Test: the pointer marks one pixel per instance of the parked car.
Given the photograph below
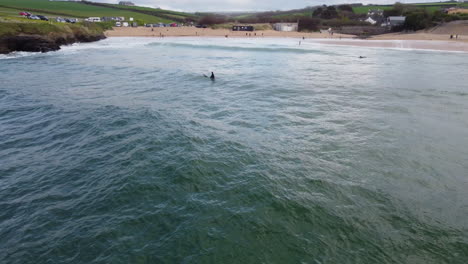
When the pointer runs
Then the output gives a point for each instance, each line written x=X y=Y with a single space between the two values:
x=148 y=25
x=125 y=24
x=34 y=17
x=173 y=25
x=60 y=20
x=24 y=14
x=41 y=17
x=118 y=24
x=200 y=26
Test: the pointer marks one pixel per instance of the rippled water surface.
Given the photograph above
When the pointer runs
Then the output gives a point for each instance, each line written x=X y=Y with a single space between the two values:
x=122 y=152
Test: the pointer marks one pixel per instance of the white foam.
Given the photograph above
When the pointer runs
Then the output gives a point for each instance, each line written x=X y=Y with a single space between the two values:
x=18 y=54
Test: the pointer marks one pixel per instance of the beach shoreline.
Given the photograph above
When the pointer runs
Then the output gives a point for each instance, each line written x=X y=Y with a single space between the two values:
x=418 y=40
x=208 y=32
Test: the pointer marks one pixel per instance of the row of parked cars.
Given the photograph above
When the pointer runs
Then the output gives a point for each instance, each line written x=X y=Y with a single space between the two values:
x=66 y=20
x=41 y=17
x=34 y=17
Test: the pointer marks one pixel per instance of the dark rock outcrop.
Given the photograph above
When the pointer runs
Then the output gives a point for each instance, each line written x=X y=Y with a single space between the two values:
x=28 y=43
x=35 y=43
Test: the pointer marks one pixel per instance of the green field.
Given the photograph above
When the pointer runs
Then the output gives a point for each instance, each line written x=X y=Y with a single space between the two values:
x=162 y=12
x=430 y=7
x=365 y=9
x=78 y=10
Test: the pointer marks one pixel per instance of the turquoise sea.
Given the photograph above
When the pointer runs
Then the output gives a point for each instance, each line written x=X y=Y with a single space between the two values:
x=121 y=151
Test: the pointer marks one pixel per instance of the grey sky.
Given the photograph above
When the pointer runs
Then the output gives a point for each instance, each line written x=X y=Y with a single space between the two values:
x=247 y=5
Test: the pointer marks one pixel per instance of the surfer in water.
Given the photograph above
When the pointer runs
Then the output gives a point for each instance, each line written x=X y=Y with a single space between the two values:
x=212 y=77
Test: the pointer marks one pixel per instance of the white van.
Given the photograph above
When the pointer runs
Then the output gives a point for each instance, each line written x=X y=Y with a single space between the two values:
x=93 y=19
x=125 y=24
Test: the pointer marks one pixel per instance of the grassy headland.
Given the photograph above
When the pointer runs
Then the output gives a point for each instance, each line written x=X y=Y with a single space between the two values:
x=40 y=36
x=20 y=34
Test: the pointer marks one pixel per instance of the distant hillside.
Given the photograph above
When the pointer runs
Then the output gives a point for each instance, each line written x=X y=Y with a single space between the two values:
x=86 y=9
x=167 y=14
x=430 y=7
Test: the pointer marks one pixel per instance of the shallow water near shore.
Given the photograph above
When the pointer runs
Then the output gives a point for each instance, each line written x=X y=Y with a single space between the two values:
x=121 y=151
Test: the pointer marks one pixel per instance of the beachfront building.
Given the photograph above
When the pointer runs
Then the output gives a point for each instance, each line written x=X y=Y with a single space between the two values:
x=375 y=16
x=286 y=27
x=126 y=3
x=242 y=28
x=395 y=21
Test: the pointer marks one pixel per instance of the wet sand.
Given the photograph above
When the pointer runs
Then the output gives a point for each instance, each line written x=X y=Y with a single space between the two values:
x=421 y=36
x=442 y=45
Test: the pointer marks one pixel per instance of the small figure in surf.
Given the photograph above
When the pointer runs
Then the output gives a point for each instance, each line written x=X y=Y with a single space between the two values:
x=362 y=57
x=212 y=77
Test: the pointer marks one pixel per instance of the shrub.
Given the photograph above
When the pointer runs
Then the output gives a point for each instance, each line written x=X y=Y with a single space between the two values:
x=211 y=20
x=309 y=24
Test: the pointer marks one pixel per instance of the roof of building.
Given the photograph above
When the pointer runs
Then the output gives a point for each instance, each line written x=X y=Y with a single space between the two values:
x=397 y=18
x=282 y=23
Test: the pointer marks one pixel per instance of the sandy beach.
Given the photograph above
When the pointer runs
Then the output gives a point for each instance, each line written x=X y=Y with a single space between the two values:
x=419 y=40
x=420 y=36
x=440 y=45
x=208 y=32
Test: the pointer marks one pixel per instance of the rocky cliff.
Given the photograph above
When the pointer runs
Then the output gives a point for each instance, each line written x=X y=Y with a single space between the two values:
x=30 y=39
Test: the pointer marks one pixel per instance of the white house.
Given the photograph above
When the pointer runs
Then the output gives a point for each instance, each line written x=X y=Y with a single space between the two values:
x=371 y=21
x=286 y=26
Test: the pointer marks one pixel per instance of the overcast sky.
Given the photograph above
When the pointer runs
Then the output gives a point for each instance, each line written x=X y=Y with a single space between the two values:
x=247 y=5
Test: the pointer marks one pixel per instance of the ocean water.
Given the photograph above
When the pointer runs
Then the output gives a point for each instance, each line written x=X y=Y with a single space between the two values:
x=122 y=152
